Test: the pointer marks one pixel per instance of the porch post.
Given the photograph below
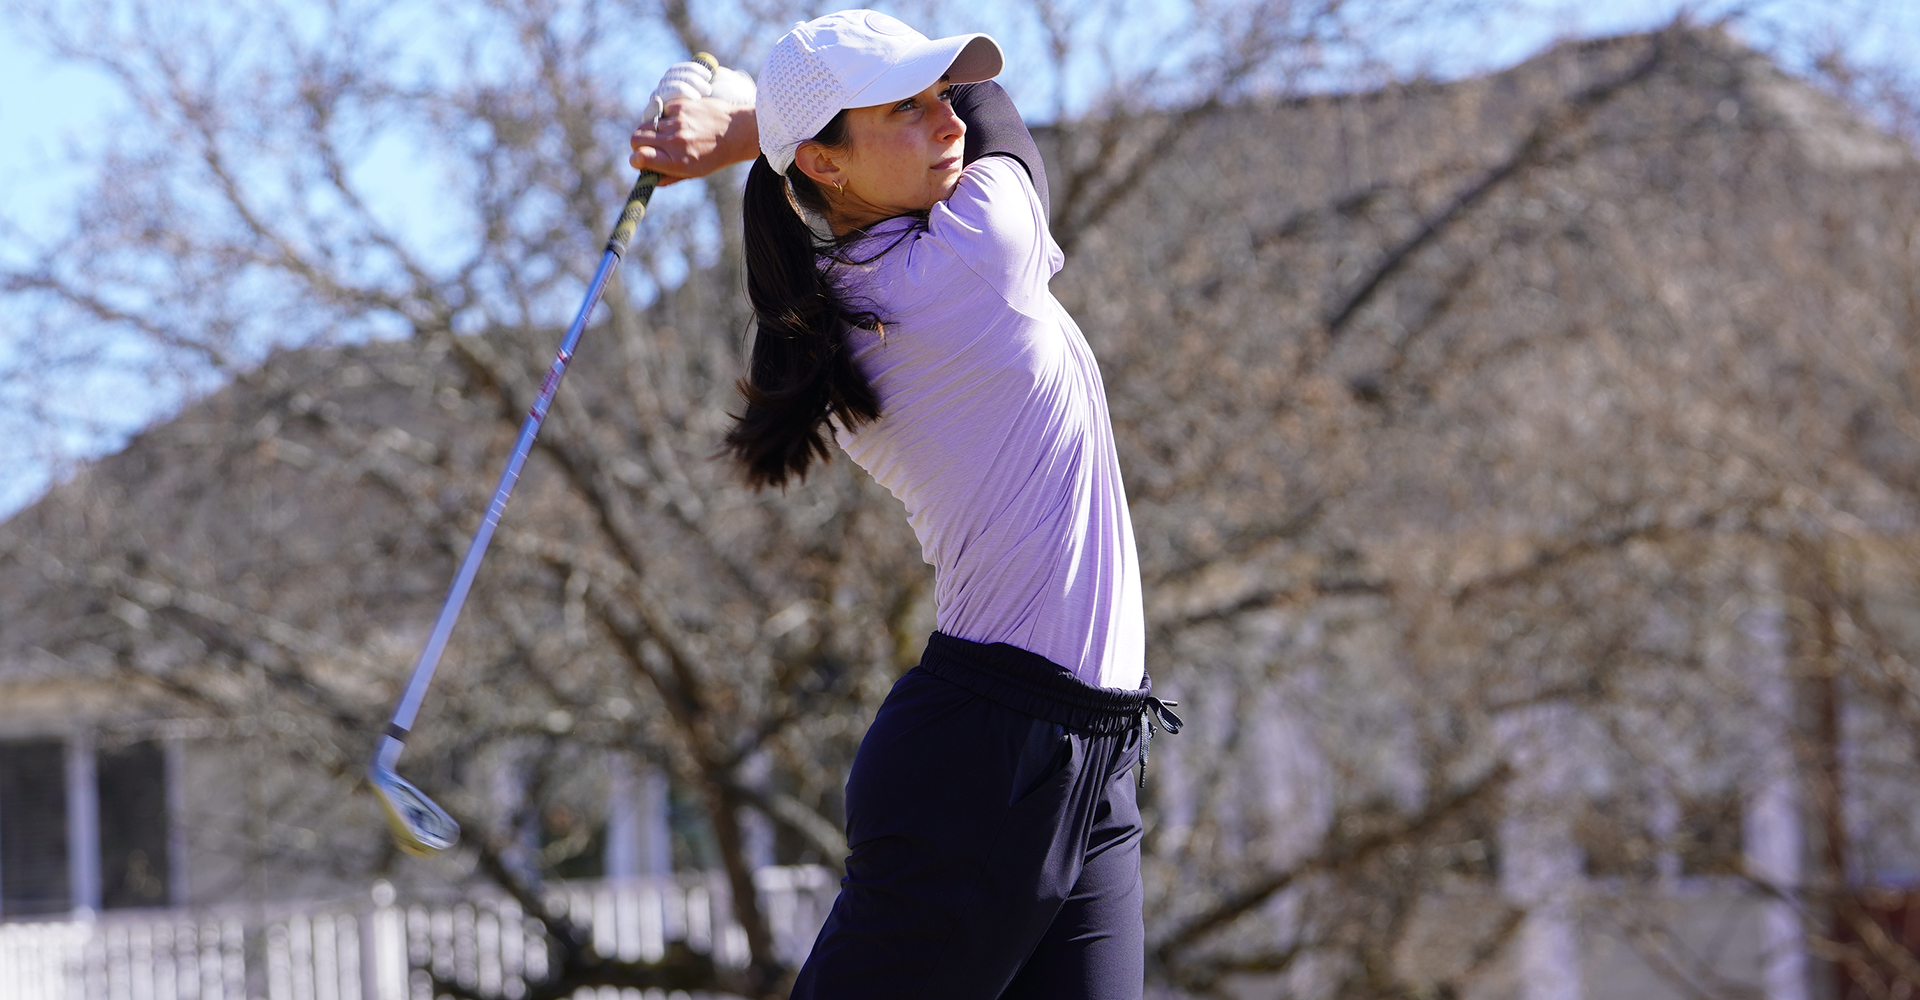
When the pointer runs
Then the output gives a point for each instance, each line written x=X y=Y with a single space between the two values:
x=83 y=823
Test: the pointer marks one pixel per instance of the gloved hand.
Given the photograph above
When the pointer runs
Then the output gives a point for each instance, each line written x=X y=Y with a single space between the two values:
x=711 y=126
x=691 y=80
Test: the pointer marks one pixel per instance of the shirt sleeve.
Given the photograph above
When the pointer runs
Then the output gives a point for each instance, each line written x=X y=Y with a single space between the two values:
x=995 y=128
x=995 y=224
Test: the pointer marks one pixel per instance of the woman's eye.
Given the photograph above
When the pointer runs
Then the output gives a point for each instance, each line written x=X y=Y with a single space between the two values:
x=947 y=95
x=906 y=105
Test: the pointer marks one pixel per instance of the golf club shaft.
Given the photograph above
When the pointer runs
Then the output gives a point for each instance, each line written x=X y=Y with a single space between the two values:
x=409 y=707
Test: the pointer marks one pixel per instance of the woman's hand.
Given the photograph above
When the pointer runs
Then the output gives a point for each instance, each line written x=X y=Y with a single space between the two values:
x=695 y=137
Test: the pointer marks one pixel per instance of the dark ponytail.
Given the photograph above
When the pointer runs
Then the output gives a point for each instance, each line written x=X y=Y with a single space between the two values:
x=801 y=372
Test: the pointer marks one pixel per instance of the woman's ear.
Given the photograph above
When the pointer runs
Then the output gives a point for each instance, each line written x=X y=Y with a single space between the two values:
x=818 y=164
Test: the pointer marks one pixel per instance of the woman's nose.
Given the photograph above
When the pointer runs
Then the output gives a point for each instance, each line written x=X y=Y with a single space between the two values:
x=951 y=127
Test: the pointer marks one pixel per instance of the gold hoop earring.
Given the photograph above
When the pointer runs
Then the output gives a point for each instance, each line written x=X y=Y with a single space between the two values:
x=840 y=188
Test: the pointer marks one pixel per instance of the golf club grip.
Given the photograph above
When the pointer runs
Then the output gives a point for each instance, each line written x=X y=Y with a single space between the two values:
x=631 y=213
x=636 y=207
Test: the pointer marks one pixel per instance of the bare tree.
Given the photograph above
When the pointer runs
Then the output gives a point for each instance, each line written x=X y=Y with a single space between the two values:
x=1512 y=459
x=1488 y=439
x=377 y=349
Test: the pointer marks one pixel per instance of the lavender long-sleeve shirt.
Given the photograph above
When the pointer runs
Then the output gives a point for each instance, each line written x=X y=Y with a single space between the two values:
x=994 y=431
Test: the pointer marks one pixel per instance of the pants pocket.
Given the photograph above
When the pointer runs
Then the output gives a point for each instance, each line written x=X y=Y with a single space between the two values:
x=1044 y=758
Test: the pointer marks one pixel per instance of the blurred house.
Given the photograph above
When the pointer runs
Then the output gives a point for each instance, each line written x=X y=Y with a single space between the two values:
x=138 y=768
x=1559 y=455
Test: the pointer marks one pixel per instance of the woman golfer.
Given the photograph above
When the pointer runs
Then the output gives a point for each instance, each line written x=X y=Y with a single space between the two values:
x=903 y=310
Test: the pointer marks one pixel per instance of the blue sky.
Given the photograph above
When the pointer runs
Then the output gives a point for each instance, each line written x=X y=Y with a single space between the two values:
x=48 y=108
x=50 y=112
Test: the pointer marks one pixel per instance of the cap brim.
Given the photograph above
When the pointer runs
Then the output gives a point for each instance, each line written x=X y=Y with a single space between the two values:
x=961 y=58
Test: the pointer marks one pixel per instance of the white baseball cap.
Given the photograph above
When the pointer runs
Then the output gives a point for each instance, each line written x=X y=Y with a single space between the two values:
x=854 y=59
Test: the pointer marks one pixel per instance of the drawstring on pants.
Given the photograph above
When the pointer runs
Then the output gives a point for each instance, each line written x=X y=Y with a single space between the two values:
x=1154 y=715
x=1031 y=684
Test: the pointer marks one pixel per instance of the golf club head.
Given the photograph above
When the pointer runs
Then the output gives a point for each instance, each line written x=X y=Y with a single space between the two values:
x=419 y=826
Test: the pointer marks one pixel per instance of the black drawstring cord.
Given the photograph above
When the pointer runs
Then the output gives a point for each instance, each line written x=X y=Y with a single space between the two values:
x=1154 y=716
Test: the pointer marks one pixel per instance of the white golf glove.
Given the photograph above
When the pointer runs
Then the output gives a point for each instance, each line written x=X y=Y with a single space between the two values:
x=689 y=80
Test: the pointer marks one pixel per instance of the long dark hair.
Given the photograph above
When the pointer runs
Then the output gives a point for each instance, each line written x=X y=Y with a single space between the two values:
x=801 y=373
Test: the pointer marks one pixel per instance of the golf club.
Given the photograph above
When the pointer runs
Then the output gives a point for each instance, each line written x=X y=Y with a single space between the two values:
x=419 y=825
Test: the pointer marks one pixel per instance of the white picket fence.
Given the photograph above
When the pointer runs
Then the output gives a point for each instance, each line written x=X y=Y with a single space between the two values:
x=390 y=950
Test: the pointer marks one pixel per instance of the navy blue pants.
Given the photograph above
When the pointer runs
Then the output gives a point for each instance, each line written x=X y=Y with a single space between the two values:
x=994 y=837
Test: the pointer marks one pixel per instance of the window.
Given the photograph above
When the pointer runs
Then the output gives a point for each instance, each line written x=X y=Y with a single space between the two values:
x=1618 y=838
x=571 y=844
x=1627 y=837
x=133 y=826
x=34 y=876
x=1710 y=835
x=82 y=828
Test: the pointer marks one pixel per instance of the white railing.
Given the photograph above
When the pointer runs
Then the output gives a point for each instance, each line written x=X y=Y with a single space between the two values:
x=390 y=950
